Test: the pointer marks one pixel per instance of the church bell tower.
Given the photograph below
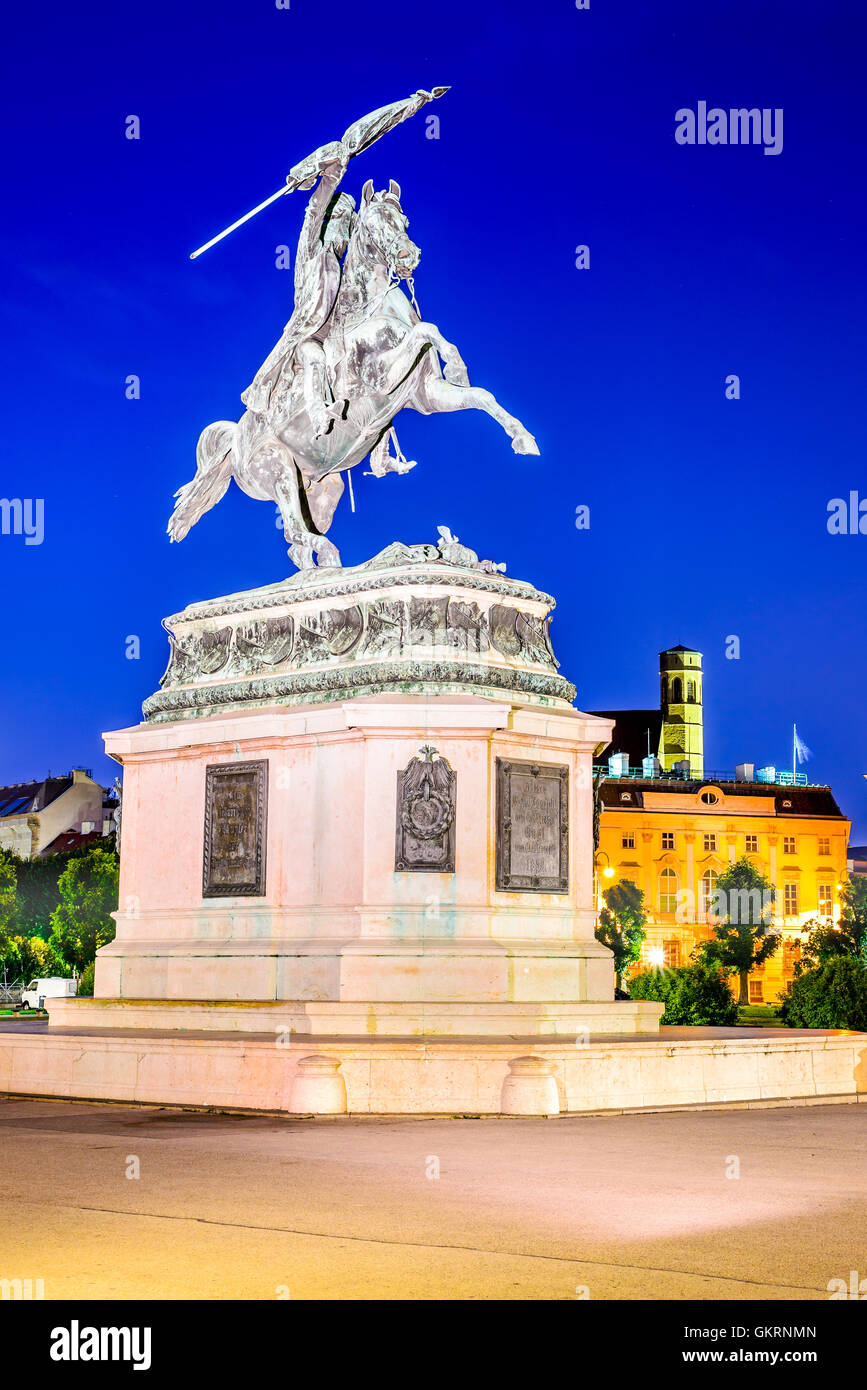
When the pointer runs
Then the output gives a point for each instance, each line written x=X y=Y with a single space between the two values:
x=680 y=696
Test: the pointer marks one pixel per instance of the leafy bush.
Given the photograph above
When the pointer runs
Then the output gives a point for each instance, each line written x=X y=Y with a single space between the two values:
x=85 y=983
x=692 y=994
x=833 y=995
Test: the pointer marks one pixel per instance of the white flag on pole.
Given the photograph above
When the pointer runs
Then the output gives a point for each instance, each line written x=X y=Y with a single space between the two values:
x=802 y=752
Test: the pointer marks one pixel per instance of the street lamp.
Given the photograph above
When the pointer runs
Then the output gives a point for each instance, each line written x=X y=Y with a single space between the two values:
x=601 y=864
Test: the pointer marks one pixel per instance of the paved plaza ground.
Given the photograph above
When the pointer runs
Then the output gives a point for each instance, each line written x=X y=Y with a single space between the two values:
x=256 y=1207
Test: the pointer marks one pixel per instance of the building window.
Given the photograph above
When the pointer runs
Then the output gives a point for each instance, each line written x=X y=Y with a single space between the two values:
x=671 y=954
x=663 y=689
x=676 y=691
x=790 y=899
x=791 y=953
x=710 y=843
x=788 y=844
x=690 y=692
x=626 y=796
x=756 y=992
x=668 y=891
x=826 y=900
x=751 y=844
x=706 y=888
x=824 y=845
x=709 y=798
x=668 y=839
x=627 y=841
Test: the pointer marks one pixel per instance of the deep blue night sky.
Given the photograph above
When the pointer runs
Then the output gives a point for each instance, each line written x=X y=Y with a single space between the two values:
x=708 y=516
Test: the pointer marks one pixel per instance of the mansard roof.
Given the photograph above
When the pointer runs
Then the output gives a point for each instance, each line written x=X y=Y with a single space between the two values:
x=788 y=801
x=25 y=798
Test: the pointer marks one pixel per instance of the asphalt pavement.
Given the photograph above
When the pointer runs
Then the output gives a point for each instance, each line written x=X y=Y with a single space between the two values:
x=125 y=1202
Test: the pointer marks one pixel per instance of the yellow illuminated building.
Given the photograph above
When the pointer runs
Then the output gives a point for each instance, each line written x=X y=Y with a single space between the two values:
x=674 y=836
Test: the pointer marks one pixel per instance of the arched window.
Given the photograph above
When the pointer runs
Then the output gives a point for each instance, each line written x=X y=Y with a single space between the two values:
x=706 y=889
x=690 y=692
x=676 y=691
x=663 y=689
x=668 y=891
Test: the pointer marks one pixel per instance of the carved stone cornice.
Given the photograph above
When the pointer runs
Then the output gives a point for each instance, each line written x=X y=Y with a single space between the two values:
x=417 y=625
x=408 y=678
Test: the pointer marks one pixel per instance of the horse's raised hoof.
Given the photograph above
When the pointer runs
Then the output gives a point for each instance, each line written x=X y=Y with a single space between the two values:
x=327 y=554
x=524 y=443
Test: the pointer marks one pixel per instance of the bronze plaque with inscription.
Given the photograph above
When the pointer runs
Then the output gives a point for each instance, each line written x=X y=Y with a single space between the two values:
x=532 y=827
x=236 y=810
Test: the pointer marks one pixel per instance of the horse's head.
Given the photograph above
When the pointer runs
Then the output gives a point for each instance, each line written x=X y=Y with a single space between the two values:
x=384 y=223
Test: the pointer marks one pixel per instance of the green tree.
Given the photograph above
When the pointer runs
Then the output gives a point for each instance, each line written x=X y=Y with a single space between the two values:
x=621 y=924
x=88 y=894
x=32 y=958
x=827 y=940
x=8 y=905
x=853 y=914
x=8 y=889
x=742 y=904
x=38 y=893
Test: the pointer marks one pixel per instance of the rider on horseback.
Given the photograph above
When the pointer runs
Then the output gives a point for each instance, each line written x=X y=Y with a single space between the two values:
x=353 y=334
x=322 y=244
x=325 y=233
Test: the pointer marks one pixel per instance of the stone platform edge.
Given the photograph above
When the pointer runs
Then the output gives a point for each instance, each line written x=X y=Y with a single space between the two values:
x=476 y=1076
x=314 y=1018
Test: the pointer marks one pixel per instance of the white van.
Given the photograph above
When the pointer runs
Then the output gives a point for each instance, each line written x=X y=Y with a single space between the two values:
x=34 y=996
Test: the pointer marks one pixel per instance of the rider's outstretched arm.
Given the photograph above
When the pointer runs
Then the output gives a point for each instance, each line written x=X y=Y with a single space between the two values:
x=328 y=165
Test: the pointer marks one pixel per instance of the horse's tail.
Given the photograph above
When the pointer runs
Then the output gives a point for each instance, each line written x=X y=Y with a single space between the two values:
x=214 y=464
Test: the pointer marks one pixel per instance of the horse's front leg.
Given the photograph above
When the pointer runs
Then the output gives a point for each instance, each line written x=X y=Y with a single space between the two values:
x=394 y=365
x=454 y=366
x=435 y=395
x=278 y=467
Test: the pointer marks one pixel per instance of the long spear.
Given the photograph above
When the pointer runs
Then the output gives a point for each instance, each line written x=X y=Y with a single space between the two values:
x=357 y=138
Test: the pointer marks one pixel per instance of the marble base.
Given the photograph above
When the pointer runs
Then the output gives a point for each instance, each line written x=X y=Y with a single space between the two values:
x=475 y=1076
x=336 y=920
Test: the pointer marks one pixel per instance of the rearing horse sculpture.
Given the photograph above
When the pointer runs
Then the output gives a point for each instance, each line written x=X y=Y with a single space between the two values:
x=354 y=354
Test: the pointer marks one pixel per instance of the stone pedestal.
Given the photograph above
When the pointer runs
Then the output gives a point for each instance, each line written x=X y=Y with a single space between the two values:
x=358 y=821
x=335 y=921
x=364 y=792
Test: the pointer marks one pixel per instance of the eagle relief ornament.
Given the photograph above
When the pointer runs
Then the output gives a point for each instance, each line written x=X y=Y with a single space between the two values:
x=426 y=799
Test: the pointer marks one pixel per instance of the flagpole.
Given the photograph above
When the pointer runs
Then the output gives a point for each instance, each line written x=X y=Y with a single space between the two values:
x=794 y=750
